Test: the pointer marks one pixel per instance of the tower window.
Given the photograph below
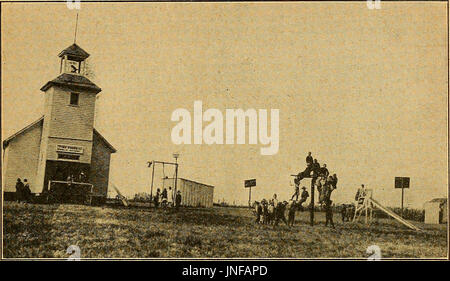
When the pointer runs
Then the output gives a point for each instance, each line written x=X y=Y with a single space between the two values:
x=74 y=97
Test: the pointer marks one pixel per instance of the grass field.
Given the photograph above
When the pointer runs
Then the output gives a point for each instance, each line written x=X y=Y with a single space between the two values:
x=45 y=231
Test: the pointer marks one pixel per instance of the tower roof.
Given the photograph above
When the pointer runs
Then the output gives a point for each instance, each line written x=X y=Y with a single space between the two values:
x=74 y=51
x=72 y=81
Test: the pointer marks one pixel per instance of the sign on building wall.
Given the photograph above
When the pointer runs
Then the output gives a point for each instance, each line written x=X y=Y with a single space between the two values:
x=64 y=148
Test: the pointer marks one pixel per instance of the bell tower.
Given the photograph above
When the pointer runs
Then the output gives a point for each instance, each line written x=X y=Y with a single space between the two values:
x=73 y=60
x=67 y=135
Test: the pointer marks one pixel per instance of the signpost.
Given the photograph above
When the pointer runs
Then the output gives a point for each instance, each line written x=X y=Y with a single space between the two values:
x=402 y=182
x=311 y=211
x=248 y=184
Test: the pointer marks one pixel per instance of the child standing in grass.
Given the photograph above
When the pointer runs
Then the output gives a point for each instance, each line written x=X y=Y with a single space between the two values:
x=170 y=197
x=329 y=213
x=291 y=212
x=265 y=211
x=19 y=191
x=271 y=212
x=156 y=198
x=164 y=198
x=178 y=199
x=258 y=211
x=279 y=213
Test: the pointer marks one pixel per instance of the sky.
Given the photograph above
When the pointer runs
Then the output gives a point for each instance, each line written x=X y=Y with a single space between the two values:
x=364 y=90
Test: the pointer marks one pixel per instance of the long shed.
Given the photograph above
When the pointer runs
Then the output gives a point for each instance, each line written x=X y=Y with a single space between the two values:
x=193 y=194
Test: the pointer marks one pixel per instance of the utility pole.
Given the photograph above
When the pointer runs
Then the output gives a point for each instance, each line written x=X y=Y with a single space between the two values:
x=151 y=189
x=311 y=211
x=176 y=155
x=402 y=201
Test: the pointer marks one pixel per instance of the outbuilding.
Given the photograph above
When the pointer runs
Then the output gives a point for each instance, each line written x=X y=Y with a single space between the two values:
x=436 y=211
x=193 y=194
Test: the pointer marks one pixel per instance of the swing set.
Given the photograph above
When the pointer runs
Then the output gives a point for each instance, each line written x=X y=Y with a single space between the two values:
x=153 y=163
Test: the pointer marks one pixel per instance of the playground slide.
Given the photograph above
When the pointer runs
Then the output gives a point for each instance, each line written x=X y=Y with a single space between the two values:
x=122 y=198
x=394 y=215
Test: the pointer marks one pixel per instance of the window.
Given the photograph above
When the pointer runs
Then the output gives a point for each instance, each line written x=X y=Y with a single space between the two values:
x=68 y=156
x=74 y=97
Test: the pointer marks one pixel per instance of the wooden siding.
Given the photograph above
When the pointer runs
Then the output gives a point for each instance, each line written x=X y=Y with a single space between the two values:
x=21 y=158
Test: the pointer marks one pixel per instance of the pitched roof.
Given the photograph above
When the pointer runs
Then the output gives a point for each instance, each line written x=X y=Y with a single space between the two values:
x=113 y=150
x=440 y=200
x=75 y=51
x=72 y=81
x=184 y=179
x=22 y=131
x=40 y=122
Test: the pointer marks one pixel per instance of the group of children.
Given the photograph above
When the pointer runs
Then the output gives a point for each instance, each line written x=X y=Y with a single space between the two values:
x=347 y=212
x=272 y=212
x=166 y=198
x=23 y=191
x=323 y=181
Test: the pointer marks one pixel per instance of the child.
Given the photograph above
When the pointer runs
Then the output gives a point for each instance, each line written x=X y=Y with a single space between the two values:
x=265 y=211
x=156 y=198
x=291 y=212
x=304 y=196
x=344 y=212
x=347 y=212
x=328 y=213
x=258 y=212
x=178 y=199
x=279 y=213
x=271 y=211
x=164 y=198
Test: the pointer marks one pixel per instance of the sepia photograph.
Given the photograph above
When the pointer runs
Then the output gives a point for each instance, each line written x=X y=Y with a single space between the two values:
x=300 y=130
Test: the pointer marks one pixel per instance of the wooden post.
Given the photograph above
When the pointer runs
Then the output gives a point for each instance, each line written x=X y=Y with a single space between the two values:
x=250 y=196
x=402 y=201
x=176 y=179
x=151 y=188
x=367 y=206
x=311 y=211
